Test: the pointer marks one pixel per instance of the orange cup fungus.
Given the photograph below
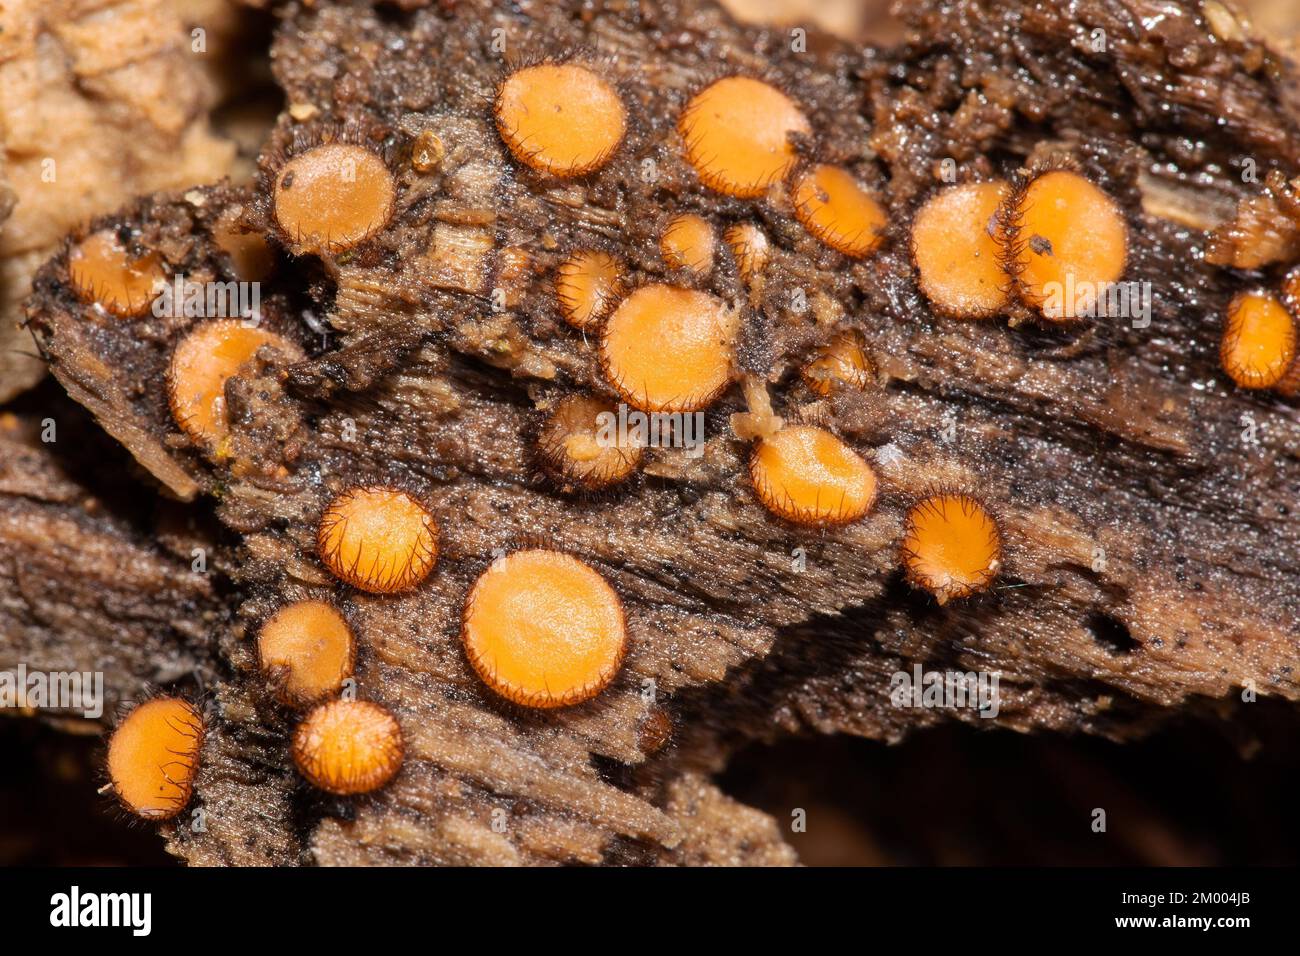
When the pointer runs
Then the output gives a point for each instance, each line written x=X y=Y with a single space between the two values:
x=806 y=475
x=153 y=757
x=582 y=447
x=1259 y=341
x=543 y=629
x=202 y=363
x=378 y=539
x=737 y=133
x=841 y=363
x=957 y=246
x=834 y=207
x=667 y=349
x=307 y=649
x=688 y=243
x=1070 y=243
x=346 y=747
x=952 y=546
x=332 y=197
x=560 y=118
x=587 y=285
x=105 y=274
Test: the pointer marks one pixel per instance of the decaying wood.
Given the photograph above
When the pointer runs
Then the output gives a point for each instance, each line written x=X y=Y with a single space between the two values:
x=82 y=589
x=1153 y=551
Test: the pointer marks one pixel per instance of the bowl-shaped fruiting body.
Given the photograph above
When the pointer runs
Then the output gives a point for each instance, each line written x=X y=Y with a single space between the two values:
x=952 y=545
x=587 y=284
x=153 y=757
x=543 y=629
x=737 y=133
x=580 y=443
x=201 y=364
x=688 y=243
x=307 y=650
x=838 y=210
x=332 y=197
x=347 y=747
x=1258 y=348
x=807 y=475
x=749 y=246
x=841 y=363
x=378 y=539
x=957 y=245
x=1067 y=241
x=562 y=119
x=669 y=349
x=248 y=254
x=105 y=274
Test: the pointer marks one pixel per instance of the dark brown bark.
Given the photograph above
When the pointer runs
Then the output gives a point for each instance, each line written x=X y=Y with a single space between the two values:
x=95 y=577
